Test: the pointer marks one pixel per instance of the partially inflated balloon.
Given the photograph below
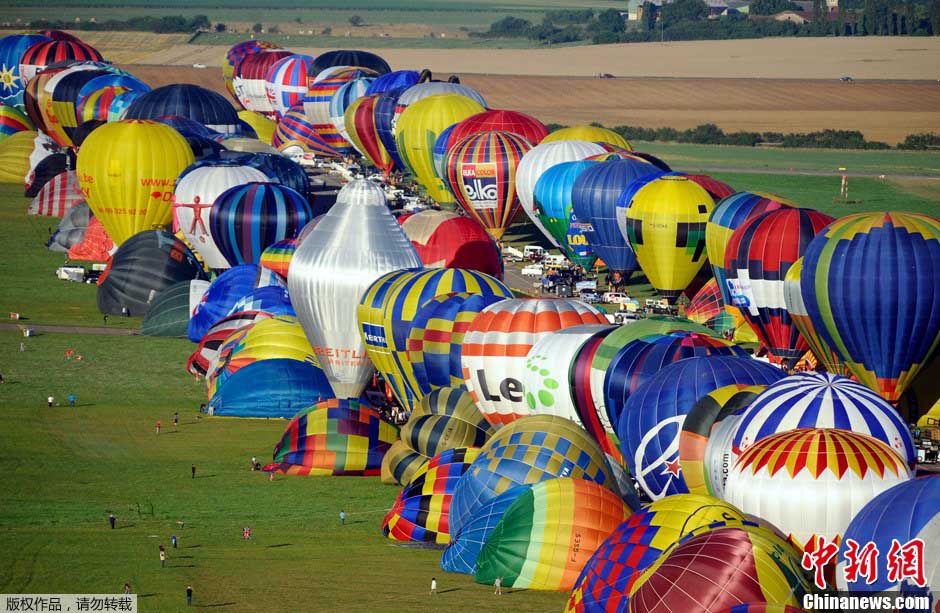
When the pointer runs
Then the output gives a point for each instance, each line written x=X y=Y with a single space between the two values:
x=250 y=80
x=12 y=83
x=556 y=214
x=294 y=127
x=418 y=128
x=594 y=134
x=190 y=101
x=360 y=122
x=793 y=299
x=127 y=171
x=666 y=228
x=12 y=120
x=447 y=240
x=263 y=126
x=481 y=174
x=883 y=332
x=707 y=308
x=357 y=241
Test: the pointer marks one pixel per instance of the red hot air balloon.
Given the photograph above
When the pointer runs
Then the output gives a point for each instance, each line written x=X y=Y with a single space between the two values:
x=447 y=240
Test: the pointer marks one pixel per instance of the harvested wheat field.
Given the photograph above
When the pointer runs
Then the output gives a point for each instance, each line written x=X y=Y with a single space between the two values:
x=882 y=110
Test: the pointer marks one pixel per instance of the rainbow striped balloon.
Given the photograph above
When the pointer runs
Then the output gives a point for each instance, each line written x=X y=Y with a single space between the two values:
x=13 y=120
x=294 y=127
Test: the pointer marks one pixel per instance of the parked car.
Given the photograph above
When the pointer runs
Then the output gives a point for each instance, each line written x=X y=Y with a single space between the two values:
x=614 y=297
x=590 y=296
x=532 y=270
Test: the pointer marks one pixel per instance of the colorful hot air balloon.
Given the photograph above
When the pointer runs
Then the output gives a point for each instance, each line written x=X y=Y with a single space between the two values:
x=276 y=388
x=319 y=95
x=708 y=309
x=594 y=198
x=342 y=99
x=141 y=268
x=418 y=128
x=496 y=344
x=435 y=340
x=666 y=228
x=883 y=331
x=530 y=450
x=481 y=172
x=718 y=190
x=250 y=80
x=907 y=511
x=420 y=512
x=433 y=433
x=235 y=55
x=594 y=134
x=333 y=266
x=95 y=97
x=12 y=120
x=825 y=475
x=393 y=80
x=207 y=351
x=520 y=124
x=548 y=534
x=426 y=89
x=722 y=568
x=47 y=52
x=286 y=82
x=217 y=301
x=553 y=200
x=127 y=171
x=294 y=127
x=609 y=575
x=333 y=437
x=398 y=297
x=639 y=361
x=728 y=215
x=360 y=122
x=447 y=240
x=351 y=57
x=190 y=101
x=276 y=257
x=793 y=300
x=400 y=464
x=12 y=83
x=823 y=400
x=757 y=258
x=652 y=417
x=539 y=159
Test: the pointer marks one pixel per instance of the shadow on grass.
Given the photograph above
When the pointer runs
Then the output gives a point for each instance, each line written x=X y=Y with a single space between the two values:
x=181 y=566
x=191 y=547
x=279 y=545
x=450 y=589
x=150 y=595
x=217 y=604
x=125 y=526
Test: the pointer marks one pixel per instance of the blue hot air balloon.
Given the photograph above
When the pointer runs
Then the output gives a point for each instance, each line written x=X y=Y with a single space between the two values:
x=227 y=289
x=185 y=100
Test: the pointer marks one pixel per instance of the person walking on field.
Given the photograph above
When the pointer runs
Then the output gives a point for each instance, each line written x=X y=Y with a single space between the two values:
x=433 y=586
x=498 y=584
x=158 y=427
x=111 y=520
x=71 y=400
x=162 y=557
x=50 y=400
x=194 y=471
x=342 y=517
x=189 y=595
x=176 y=419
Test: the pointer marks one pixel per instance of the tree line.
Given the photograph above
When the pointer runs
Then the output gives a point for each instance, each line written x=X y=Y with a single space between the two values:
x=169 y=24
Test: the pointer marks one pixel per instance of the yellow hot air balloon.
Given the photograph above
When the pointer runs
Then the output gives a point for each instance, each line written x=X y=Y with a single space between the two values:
x=262 y=126
x=417 y=130
x=666 y=228
x=14 y=156
x=594 y=134
x=127 y=171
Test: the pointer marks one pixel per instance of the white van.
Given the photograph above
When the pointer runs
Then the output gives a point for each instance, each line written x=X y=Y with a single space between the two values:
x=530 y=252
x=614 y=297
x=555 y=260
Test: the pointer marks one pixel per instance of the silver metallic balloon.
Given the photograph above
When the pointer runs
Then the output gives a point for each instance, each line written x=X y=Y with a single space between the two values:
x=355 y=243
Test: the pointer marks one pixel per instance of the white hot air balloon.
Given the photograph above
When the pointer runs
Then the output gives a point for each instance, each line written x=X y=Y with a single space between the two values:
x=539 y=159
x=354 y=244
x=432 y=88
x=193 y=197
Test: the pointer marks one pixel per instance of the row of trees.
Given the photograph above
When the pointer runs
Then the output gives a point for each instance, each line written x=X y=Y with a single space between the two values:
x=170 y=24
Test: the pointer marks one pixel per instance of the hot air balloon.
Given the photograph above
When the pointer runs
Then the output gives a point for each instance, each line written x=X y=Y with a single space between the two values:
x=728 y=215
x=196 y=191
x=127 y=171
x=639 y=361
x=320 y=94
x=520 y=124
x=907 y=511
x=548 y=533
x=169 y=312
x=705 y=454
x=71 y=230
x=185 y=100
x=707 y=308
x=12 y=83
x=283 y=170
x=420 y=512
x=416 y=131
x=400 y=464
x=247 y=219
x=360 y=124
x=351 y=57
x=718 y=190
x=553 y=200
x=141 y=268
x=530 y=450
x=721 y=568
x=276 y=257
x=207 y=351
x=481 y=172
x=393 y=80
x=95 y=97
x=594 y=134
x=235 y=55
x=757 y=258
x=433 y=433
x=883 y=333
x=447 y=240
x=272 y=299
x=426 y=89
x=385 y=329
x=250 y=80
x=545 y=380
x=57 y=196
x=13 y=120
x=826 y=476
x=385 y=118
x=262 y=126
x=635 y=544
x=539 y=159
x=294 y=127
x=652 y=417
x=47 y=52
x=14 y=156
x=276 y=388
x=666 y=227
x=286 y=82
x=823 y=400
x=435 y=339
x=62 y=93
x=793 y=299
x=217 y=302
x=496 y=344
x=330 y=270
x=342 y=99
x=594 y=198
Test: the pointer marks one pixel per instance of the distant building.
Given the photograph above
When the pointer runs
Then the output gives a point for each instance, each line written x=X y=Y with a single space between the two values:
x=791 y=16
x=715 y=7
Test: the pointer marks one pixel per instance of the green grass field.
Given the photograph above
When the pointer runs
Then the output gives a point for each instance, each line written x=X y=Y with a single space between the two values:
x=63 y=469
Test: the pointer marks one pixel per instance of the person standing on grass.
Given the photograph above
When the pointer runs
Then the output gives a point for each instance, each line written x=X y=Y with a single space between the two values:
x=498 y=584
x=189 y=595
x=194 y=471
x=127 y=588
x=176 y=419
x=158 y=427
x=173 y=539
x=433 y=586
x=342 y=517
x=162 y=557
x=71 y=400
x=22 y=346
x=50 y=400
x=111 y=520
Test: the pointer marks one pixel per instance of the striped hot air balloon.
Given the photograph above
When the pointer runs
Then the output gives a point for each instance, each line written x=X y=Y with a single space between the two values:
x=286 y=82
x=295 y=127
x=707 y=308
x=481 y=171
x=793 y=299
x=250 y=80
x=342 y=99
x=360 y=122
x=95 y=97
x=247 y=219
x=552 y=197
x=757 y=259
x=277 y=256
x=235 y=55
x=319 y=96
x=13 y=120
x=47 y=52
x=870 y=286
x=517 y=123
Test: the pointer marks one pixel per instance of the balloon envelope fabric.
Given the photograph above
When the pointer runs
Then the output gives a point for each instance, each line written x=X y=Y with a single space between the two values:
x=270 y=388
x=334 y=437
x=420 y=512
x=227 y=289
